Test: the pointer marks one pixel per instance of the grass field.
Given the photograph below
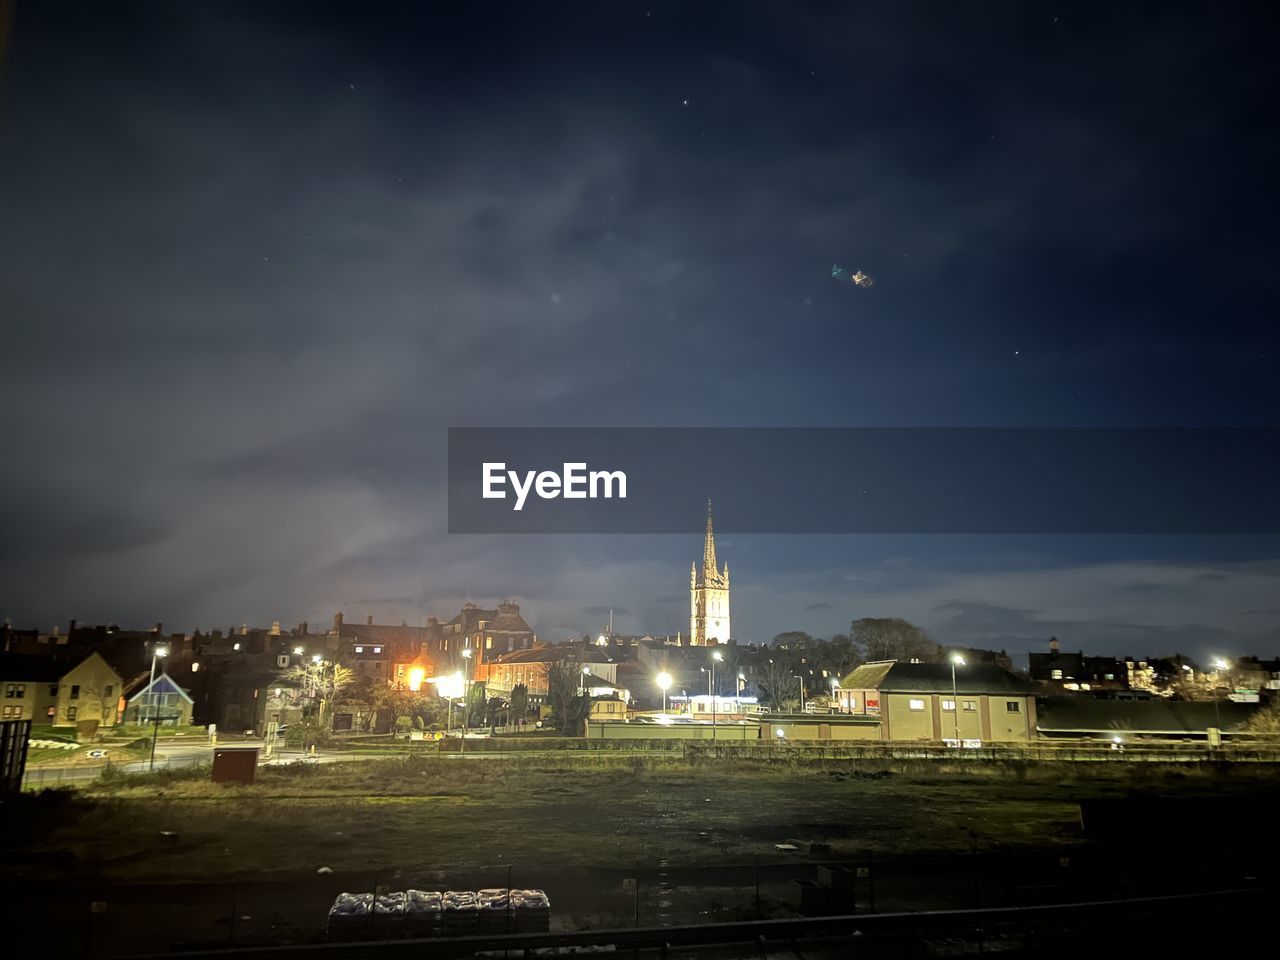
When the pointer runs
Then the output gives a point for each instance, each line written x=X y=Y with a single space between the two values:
x=567 y=811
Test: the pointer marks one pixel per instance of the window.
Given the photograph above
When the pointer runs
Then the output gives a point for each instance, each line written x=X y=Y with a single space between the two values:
x=51 y=712
x=1012 y=706
x=22 y=690
x=71 y=713
x=971 y=705
x=949 y=705
x=916 y=704
x=10 y=691
x=359 y=649
x=53 y=689
x=1055 y=674
x=488 y=643
x=75 y=692
x=377 y=649
x=1109 y=676
x=106 y=691
x=8 y=712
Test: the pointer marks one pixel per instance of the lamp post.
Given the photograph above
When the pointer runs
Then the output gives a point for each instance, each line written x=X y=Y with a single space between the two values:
x=801 y=679
x=156 y=651
x=956 y=661
x=466 y=699
x=663 y=681
x=716 y=657
x=1219 y=665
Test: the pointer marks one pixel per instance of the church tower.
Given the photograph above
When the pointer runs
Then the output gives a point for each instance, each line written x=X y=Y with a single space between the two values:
x=709 y=596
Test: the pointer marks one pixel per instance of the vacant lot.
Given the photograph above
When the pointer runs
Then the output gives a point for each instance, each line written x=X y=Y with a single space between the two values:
x=586 y=811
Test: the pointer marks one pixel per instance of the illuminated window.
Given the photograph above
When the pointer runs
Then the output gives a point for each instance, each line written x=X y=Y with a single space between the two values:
x=377 y=649
x=1013 y=706
x=359 y=649
x=1055 y=674
x=10 y=690
x=971 y=704
x=916 y=704
x=949 y=705
x=71 y=713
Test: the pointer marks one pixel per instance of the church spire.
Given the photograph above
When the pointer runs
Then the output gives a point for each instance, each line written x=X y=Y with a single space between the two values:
x=709 y=567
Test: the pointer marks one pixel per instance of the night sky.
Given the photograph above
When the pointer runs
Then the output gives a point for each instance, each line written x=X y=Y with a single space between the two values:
x=255 y=259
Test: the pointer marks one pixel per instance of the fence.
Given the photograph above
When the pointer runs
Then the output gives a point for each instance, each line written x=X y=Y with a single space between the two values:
x=1036 y=751
x=656 y=895
x=40 y=778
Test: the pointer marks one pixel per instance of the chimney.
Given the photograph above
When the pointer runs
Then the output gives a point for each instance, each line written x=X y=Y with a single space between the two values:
x=159 y=627
x=337 y=620
x=72 y=628
x=1053 y=644
x=275 y=628
x=368 y=621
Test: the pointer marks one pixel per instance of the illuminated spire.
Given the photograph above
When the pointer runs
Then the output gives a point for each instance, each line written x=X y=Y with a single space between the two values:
x=709 y=569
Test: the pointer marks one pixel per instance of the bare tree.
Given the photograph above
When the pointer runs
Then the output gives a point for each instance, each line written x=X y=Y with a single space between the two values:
x=778 y=684
x=564 y=677
x=519 y=702
x=1265 y=720
x=322 y=682
x=892 y=639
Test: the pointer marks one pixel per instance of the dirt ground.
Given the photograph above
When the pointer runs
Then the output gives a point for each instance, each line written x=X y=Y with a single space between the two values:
x=384 y=815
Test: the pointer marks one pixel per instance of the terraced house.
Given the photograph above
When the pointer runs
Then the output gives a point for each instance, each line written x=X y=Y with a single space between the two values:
x=59 y=690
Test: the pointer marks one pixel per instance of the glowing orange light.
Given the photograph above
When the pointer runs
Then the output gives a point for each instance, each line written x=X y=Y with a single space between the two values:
x=416 y=676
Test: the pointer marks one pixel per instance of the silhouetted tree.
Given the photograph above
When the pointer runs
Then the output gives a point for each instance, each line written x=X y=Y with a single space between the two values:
x=892 y=639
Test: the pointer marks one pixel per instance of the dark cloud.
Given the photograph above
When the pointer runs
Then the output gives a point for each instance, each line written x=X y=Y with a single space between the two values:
x=255 y=271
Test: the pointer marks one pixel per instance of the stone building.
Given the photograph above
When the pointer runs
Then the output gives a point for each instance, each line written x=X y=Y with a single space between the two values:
x=709 y=596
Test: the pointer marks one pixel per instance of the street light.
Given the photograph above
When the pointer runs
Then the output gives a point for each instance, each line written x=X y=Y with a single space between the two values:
x=956 y=661
x=158 y=651
x=297 y=651
x=663 y=680
x=466 y=695
x=1218 y=665
x=716 y=657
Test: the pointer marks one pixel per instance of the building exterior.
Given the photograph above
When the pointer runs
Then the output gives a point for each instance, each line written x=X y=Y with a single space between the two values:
x=529 y=667
x=1080 y=718
x=60 y=690
x=1074 y=672
x=918 y=701
x=709 y=596
x=160 y=699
